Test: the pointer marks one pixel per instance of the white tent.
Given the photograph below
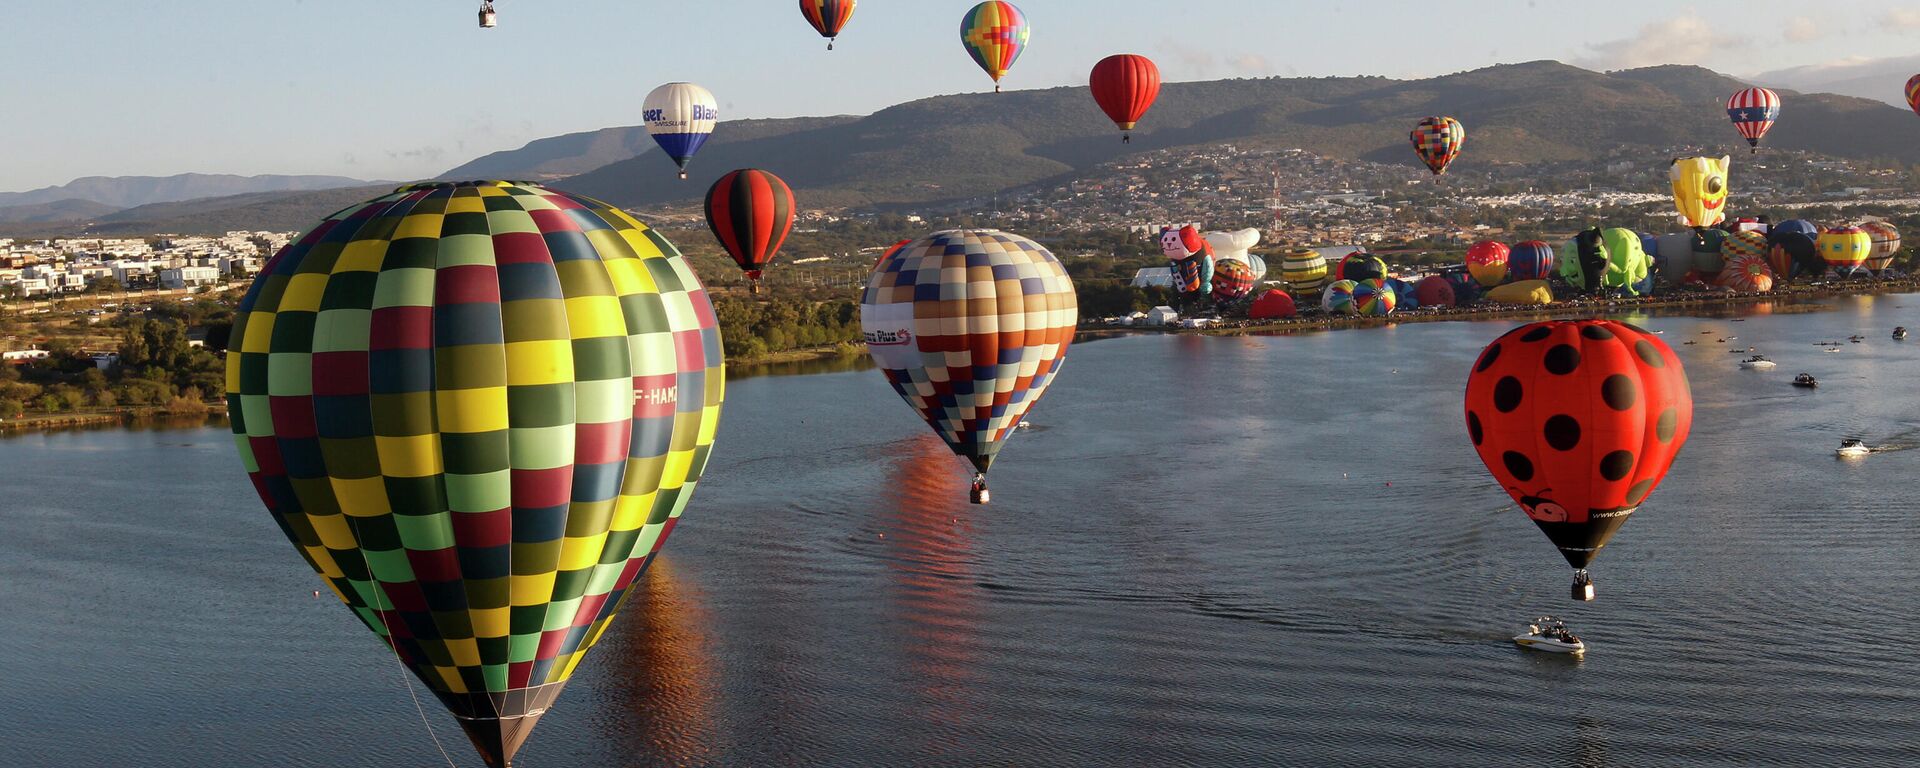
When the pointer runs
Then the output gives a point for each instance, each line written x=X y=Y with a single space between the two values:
x=1153 y=277
x=1162 y=316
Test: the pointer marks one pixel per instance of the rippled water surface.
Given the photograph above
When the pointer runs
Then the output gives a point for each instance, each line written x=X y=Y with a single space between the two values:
x=1210 y=551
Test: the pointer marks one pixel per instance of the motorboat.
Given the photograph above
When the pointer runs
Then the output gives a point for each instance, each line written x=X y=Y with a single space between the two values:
x=1900 y=333
x=1550 y=635
x=1024 y=424
x=1853 y=448
x=1805 y=380
x=1759 y=362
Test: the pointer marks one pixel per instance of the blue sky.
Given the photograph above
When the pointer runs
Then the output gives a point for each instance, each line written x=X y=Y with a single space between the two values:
x=408 y=88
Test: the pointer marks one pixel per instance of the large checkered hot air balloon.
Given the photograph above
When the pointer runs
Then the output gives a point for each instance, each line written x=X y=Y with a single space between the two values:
x=827 y=17
x=995 y=33
x=1437 y=140
x=1578 y=420
x=1753 y=112
x=477 y=409
x=750 y=212
x=970 y=326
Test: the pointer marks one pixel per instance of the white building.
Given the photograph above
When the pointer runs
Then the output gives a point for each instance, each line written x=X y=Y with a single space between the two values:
x=1163 y=315
x=188 y=277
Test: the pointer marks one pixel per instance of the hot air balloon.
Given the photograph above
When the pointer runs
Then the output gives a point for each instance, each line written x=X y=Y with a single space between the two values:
x=1886 y=243
x=1304 y=268
x=680 y=117
x=1360 y=265
x=1747 y=273
x=1578 y=420
x=1524 y=292
x=1707 y=260
x=1753 y=112
x=994 y=33
x=1793 y=249
x=1192 y=258
x=1531 y=260
x=1844 y=247
x=887 y=254
x=750 y=212
x=1437 y=140
x=1124 y=85
x=1913 y=93
x=1404 y=296
x=1373 y=297
x=1234 y=245
x=970 y=327
x=827 y=17
x=1232 y=279
x=1700 y=189
x=1466 y=290
x=1338 y=297
x=1743 y=245
x=1434 y=291
x=1599 y=260
x=1676 y=253
x=1487 y=262
x=1274 y=304
x=456 y=403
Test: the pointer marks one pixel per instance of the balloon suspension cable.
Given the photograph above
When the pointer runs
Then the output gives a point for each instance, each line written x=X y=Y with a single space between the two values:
x=354 y=526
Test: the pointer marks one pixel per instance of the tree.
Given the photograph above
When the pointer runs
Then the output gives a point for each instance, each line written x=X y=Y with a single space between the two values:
x=11 y=408
x=105 y=285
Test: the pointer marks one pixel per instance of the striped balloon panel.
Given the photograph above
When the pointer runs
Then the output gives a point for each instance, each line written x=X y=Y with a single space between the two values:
x=1232 y=279
x=970 y=327
x=1753 y=112
x=1747 y=273
x=1338 y=296
x=994 y=33
x=1531 y=260
x=827 y=16
x=477 y=410
x=1305 y=269
x=1886 y=243
x=750 y=212
x=1438 y=140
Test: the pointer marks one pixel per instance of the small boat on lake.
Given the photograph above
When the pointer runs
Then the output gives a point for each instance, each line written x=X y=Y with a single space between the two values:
x=1757 y=362
x=1900 y=333
x=1805 y=380
x=1852 y=448
x=1550 y=635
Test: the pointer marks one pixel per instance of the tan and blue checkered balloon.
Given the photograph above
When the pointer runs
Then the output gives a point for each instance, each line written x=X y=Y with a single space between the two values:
x=478 y=409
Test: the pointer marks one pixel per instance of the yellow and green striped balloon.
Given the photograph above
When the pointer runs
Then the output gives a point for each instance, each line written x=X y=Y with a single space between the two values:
x=477 y=409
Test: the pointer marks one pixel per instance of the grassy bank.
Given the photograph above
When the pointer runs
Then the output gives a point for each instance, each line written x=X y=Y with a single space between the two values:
x=108 y=417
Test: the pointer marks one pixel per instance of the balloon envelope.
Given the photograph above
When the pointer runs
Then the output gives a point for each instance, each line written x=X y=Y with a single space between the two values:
x=478 y=409
x=1700 y=189
x=1753 y=112
x=1487 y=262
x=1524 y=292
x=1578 y=420
x=1886 y=243
x=1232 y=279
x=1360 y=265
x=1845 y=247
x=994 y=33
x=1531 y=260
x=750 y=212
x=1434 y=291
x=1374 y=297
x=1125 y=85
x=1272 y=305
x=1437 y=141
x=1304 y=268
x=970 y=326
x=680 y=117
x=1339 y=297
x=1747 y=273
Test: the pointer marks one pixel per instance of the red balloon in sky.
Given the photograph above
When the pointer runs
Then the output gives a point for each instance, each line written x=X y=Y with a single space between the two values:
x=750 y=212
x=1578 y=420
x=1125 y=86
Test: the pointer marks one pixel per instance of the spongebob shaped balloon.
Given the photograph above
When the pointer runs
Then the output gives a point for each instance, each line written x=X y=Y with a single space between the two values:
x=1700 y=189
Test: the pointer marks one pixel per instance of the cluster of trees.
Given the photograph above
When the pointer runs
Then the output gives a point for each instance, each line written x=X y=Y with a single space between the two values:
x=753 y=328
x=158 y=366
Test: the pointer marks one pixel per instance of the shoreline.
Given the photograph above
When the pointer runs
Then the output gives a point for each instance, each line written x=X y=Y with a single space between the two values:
x=109 y=417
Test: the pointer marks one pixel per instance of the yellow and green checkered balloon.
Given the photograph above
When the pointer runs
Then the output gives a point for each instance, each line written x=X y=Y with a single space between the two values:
x=478 y=409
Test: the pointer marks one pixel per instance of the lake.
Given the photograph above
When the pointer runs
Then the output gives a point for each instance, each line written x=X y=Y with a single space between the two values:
x=1209 y=551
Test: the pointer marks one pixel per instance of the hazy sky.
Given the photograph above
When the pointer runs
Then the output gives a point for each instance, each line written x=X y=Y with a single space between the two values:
x=409 y=88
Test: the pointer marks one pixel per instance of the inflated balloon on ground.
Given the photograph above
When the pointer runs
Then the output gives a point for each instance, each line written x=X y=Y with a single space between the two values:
x=1845 y=247
x=1487 y=262
x=1374 y=297
x=1360 y=265
x=1531 y=260
x=1304 y=268
x=1274 y=304
x=1434 y=291
x=1338 y=297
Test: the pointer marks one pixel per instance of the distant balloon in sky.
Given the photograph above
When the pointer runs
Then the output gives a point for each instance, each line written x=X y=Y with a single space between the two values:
x=1753 y=112
x=1700 y=189
x=1913 y=93
x=750 y=212
x=477 y=410
x=827 y=17
x=1437 y=140
x=680 y=117
x=970 y=326
x=1578 y=420
x=1125 y=85
x=995 y=33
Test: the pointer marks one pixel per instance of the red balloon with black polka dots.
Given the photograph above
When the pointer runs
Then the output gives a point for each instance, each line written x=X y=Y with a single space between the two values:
x=1578 y=420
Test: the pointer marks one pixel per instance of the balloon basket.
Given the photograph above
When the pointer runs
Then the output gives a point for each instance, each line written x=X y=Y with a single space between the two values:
x=978 y=494
x=683 y=175
x=1582 y=586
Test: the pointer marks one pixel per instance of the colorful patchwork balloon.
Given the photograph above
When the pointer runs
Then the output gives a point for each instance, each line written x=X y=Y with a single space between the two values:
x=1578 y=420
x=1743 y=245
x=478 y=409
x=1338 y=297
x=970 y=326
x=827 y=17
x=1374 y=297
x=995 y=33
x=1437 y=140
x=1232 y=279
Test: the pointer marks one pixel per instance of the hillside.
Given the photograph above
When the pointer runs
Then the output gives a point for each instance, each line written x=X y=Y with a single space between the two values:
x=576 y=153
x=130 y=191
x=58 y=210
x=960 y=146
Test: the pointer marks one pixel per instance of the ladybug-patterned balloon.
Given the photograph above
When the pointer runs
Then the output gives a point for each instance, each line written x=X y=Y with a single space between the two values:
x=1578 y=420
